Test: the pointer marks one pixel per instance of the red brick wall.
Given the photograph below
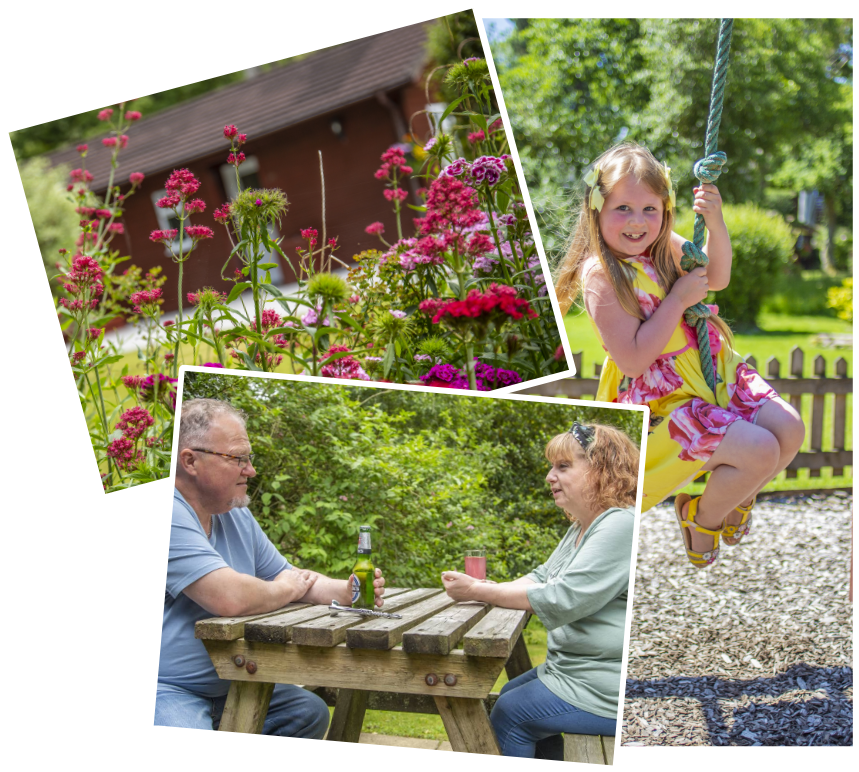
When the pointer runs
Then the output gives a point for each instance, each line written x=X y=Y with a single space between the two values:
x=288 y=160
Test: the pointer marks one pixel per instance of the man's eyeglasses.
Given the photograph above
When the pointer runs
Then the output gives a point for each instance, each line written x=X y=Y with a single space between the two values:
x=242 y=461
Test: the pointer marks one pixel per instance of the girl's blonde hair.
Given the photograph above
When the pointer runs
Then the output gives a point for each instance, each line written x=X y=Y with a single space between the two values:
x=621 y=161
x=612 y=476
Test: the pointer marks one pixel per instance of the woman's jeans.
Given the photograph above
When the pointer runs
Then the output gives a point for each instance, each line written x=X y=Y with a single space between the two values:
x=292 y=712
x=528 y=720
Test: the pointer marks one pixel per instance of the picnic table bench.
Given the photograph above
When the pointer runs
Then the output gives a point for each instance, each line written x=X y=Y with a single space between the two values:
x=411 y=664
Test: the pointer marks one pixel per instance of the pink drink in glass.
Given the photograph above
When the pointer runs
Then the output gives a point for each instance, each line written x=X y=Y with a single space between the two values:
x=475 y=564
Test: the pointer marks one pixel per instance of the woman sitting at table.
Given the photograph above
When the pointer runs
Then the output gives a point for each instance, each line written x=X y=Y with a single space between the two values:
x=579 y=594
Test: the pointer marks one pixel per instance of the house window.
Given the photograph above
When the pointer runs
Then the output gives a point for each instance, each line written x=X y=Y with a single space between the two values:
x=249 y=176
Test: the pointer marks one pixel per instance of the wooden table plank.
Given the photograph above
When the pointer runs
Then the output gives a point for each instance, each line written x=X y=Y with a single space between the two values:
x=231 y=628
x=339 y=666
x=496 y=633
x=467 y=725
x=441 y=633
x=331 y=631
x=387 y=633
x=278 y=628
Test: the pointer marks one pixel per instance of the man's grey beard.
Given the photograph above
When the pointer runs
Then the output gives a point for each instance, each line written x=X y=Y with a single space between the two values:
x=239 y=501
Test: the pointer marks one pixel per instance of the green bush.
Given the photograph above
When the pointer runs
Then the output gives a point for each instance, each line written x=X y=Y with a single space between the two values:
x=433 y=474
x=763 y=246
x=801 y=293
x=841 y=299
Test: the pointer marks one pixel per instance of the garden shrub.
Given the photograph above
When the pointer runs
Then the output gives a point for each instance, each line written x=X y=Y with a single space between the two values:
x=762 y=245
x=841 y=299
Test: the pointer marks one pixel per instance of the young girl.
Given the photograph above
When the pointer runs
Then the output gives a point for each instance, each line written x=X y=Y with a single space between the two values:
x=625 y=260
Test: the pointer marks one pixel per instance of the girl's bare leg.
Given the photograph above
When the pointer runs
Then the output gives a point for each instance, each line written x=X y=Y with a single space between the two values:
x=785 y=424
x=743 y=463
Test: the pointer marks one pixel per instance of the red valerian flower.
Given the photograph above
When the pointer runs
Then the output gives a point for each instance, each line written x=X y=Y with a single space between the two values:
x=375 y=229
x=104 y=214
x=116 y=227
x=183 y=182
x=105 y=114
x=397 y=194
x=82 y=148
x=123 y=140
x=166 y=236
x=230 y=131
x=148 y=298
x=199 y=231
x=194 y=206
x=241 y=139
x=80 y=175
x=134 y=421
x=222 y=213
x=133 y=115
x=109 y=142
x=236 y=159
x=135 y=178
x=169 y=202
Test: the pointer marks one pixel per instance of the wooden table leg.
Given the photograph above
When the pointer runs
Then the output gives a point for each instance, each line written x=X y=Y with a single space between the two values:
x=519 y=661
x=467 y=725
x=246 y=707
x=348 y=716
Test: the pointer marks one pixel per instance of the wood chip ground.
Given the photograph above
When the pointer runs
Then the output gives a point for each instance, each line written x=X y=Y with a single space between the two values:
x=756 y=650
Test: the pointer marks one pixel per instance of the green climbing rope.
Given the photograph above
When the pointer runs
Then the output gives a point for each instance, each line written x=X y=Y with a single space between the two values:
x=708 y=169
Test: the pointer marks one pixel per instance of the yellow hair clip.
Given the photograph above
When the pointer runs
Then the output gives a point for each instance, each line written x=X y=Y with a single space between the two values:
x=596 y=200
x=672 y=195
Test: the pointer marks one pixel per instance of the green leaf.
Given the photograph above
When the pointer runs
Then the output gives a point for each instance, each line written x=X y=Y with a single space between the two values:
x=268 y=266
x=238 y=290
x=450 y=108
x=388 y=361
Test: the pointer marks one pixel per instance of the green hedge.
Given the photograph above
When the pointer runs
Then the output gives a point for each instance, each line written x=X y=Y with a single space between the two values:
x=763 y=247
x=433 y=474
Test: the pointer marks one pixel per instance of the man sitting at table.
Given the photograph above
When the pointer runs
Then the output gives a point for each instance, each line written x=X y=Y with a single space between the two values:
x=222 y=564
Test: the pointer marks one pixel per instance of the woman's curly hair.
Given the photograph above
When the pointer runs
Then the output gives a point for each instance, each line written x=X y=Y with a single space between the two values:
x=612 y=477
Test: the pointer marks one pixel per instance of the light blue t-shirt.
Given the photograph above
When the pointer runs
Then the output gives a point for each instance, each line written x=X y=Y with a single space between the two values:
x=237 y=542
x=580 y=596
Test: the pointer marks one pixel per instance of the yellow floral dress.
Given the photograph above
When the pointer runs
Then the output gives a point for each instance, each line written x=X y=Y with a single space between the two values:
x=687 y=421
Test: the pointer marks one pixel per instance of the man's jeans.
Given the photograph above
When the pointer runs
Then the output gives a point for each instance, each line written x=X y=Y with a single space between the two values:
x=293 y=712
x=528 y=720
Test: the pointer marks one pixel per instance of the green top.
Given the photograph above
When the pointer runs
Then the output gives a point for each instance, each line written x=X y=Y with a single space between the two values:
x=580 y=596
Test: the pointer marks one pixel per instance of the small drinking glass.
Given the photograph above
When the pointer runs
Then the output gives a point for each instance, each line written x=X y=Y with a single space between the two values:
x=475 y=563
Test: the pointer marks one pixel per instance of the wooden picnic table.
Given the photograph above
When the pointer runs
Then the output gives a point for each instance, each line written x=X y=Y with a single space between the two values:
x=410 y=664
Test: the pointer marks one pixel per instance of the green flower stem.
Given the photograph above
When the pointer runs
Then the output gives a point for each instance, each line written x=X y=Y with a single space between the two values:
x=469 y=366
x=256 y=290
x=494 y=229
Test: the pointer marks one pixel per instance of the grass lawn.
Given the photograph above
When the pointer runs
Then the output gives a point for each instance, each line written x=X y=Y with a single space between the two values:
x=778 y=335
x=430 y=727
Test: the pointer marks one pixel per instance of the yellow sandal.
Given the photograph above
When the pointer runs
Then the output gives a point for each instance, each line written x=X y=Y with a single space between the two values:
x=697 y=559
x=732 y=535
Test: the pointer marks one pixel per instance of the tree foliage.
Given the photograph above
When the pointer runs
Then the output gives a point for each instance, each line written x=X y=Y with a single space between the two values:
x=433 y=474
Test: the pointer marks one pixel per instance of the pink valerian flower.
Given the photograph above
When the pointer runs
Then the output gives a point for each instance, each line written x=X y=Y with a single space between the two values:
x=123 y=453
x=168 y=358
x=657 y=381
x=197 y=232
x=166 y=389
x=123 y=140
x=168 y=237
x=136 y=178
x=170 y=201
x=133 y=115
x=309 y=233
x=80 y=175
x=241 y=139
x=194 y=206
x=332 y=243
x=222 y=213
x=145 y=298
x=132 y=382
x=698 y=427
x=346 y=367
x=750 y=393
x=395 y=194
x=103 y=214
x=78 y=357
x=116 y=227
x=476 y=136
x=134 y=422
x=183 y=182
x=82 y=148
x=105 y=115
x=230 y=131
x=375 y=229
x=109 y=142
x=236 y=159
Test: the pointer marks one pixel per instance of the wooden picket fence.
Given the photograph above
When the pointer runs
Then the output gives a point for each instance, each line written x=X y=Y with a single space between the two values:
x=791 y=388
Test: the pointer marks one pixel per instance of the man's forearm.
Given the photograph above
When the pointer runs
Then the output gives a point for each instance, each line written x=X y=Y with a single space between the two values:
x=326 y=589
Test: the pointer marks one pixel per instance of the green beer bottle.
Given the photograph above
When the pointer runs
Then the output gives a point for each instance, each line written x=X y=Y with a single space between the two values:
x=361 y=581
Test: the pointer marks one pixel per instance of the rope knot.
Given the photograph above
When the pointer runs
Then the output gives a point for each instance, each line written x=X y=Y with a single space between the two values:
x=708 y=169
x=692 y=257
x=696 y=312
